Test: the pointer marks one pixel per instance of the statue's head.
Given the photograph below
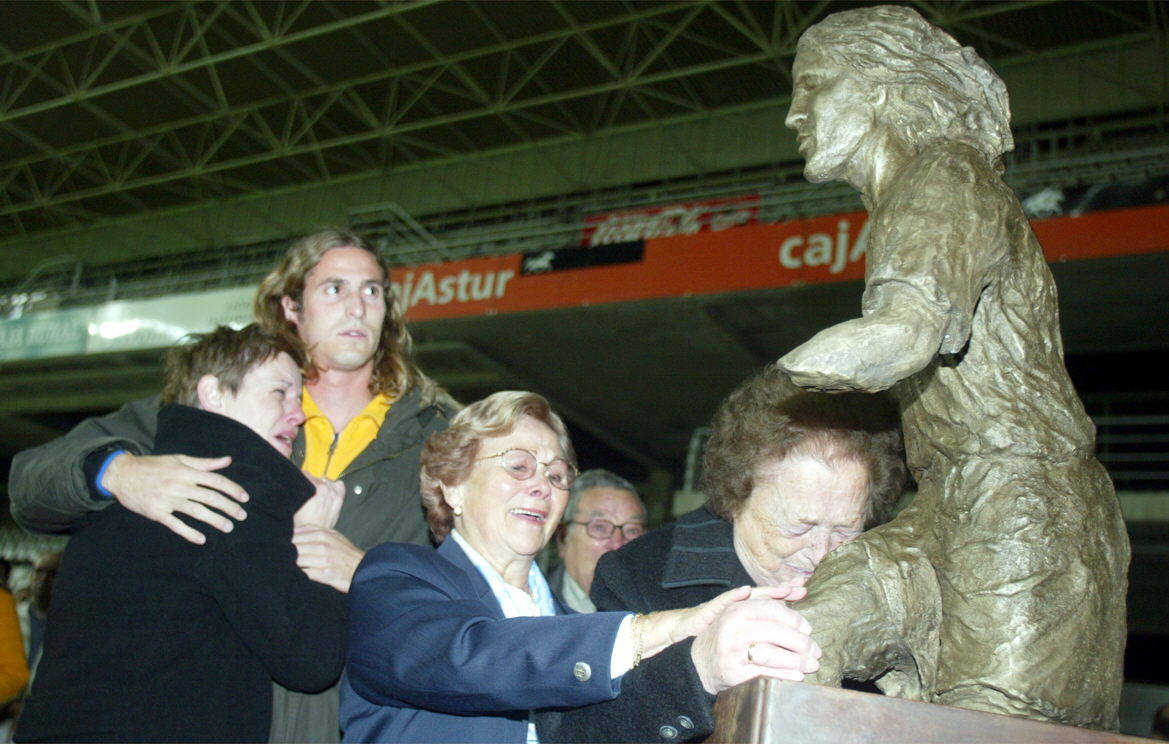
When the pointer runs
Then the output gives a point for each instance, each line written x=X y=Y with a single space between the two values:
x=887 y=67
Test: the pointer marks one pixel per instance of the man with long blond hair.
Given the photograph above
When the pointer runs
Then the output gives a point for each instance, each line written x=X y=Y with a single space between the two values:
x=368 y=409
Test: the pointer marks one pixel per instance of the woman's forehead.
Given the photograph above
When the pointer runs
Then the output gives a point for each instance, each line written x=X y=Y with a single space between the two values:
x=279 y=368
x=803 y=481
x=528 y=433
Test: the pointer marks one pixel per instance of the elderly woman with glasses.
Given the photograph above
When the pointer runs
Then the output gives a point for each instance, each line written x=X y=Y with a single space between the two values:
x=462 y=643
x=789 y=475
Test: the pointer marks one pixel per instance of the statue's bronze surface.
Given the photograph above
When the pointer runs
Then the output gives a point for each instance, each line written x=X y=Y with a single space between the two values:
x=1002 y=586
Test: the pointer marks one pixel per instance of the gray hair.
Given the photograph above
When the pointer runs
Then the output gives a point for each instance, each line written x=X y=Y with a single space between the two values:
x=941 y=90
x=595 y=478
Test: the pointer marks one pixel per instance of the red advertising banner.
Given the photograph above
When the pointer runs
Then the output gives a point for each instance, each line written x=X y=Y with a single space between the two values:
x=675 y=219
x=752 y=256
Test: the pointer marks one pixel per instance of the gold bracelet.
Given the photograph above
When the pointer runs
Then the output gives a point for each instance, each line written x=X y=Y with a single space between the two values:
x=637 y=627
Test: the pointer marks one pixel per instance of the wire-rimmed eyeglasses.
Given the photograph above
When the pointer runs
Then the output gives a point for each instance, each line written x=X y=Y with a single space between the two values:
x=521 y=465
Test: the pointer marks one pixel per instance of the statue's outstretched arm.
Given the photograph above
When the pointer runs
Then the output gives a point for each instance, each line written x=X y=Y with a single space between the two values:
x=899 y=335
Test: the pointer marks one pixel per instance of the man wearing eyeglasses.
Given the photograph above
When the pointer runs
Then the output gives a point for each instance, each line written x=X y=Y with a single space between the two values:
x=604 y=512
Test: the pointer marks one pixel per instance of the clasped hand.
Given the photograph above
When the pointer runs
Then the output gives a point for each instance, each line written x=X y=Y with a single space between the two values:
x=323 y=507
x=324 y=554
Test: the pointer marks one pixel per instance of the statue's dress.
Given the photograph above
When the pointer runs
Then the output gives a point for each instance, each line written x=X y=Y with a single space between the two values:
x=1002 y=586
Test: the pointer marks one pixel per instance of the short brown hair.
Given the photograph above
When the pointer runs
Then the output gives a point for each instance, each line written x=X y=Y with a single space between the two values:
x=226 y=353
x=448 y=456
x=394 y=371
x=768 y=418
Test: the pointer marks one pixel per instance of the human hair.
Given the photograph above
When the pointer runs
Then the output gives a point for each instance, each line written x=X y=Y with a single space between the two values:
x=449 y=456
x=227 y=354
x=939 y=90
x=394 y=370
x=44 y=574
x=595 y=478
x=1161 y=723
x=768 y=418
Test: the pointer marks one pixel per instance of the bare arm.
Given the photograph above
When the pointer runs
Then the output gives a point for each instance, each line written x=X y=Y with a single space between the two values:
x=937 y=241
x=899 y=335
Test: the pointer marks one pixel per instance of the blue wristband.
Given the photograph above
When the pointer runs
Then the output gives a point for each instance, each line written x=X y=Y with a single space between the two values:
x=102 y=472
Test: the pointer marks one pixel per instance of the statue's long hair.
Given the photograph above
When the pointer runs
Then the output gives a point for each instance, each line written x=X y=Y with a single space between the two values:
x=939 y=90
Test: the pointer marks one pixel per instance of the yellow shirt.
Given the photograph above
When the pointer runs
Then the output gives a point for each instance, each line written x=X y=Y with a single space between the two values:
x=327 y=454
x=13 y=667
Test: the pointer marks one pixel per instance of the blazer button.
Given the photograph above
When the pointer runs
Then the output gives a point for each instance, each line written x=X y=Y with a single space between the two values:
x=357 y=490
x=582 y=671
x=668 y=732
x=685 y=722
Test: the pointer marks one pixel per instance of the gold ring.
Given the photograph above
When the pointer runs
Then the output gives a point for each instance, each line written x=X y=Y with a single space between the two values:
x=750 y=653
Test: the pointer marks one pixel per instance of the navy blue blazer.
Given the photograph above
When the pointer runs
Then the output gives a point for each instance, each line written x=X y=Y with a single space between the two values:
x=432 y=658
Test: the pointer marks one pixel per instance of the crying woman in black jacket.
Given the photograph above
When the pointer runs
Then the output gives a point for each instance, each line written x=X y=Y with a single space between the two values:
x=157 y=639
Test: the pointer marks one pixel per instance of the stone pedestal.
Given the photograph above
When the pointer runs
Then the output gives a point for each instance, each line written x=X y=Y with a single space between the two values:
x=768 y=711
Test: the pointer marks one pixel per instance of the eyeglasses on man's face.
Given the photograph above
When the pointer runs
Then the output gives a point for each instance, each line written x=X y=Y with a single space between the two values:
x=603 y=529
x=521 y=465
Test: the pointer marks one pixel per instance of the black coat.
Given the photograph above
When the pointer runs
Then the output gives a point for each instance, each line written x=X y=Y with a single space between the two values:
x=51 y=491
x=679 y=565
x=152 y=638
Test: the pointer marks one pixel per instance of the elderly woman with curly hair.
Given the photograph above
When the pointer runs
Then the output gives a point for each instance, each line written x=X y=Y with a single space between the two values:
x=790 y=475
x=463 y=642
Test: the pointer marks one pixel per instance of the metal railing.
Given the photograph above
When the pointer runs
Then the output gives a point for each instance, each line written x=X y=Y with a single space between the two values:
x=1077 y=154
x=1132 y=438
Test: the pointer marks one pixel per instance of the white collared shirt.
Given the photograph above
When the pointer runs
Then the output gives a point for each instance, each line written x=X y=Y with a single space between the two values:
x=535 y=602
x=574 y=596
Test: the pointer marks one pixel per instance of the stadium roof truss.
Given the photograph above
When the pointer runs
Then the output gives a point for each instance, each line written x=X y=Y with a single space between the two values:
x=110 y=108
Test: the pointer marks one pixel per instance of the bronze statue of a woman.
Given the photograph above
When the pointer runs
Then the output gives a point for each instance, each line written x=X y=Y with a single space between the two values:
x=1002 y=586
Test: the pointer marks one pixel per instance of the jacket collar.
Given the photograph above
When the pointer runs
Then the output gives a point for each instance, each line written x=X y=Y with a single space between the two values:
x=450 y=550
x=702 y=552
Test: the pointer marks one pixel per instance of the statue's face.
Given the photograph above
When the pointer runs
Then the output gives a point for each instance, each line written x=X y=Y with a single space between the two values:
x=832 y=111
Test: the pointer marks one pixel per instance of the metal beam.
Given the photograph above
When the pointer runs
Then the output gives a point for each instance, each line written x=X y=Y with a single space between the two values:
x=390 y=73
x=519 y=96
x=171 y=68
